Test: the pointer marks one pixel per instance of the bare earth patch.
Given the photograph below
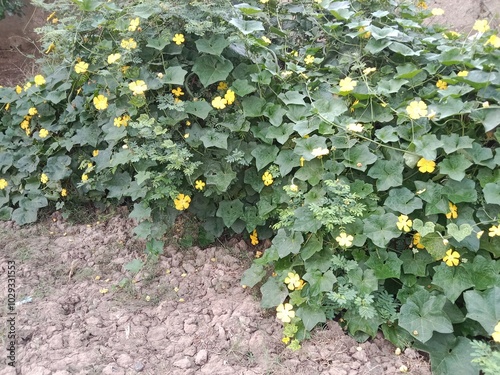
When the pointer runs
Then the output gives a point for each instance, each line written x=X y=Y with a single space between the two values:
x=196 y=320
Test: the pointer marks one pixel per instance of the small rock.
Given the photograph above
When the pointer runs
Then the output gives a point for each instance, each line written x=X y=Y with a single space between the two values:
x=184 y=363
x=138 y=366
x=124 y=360
x=190 y=328
x=201 y=357
x=360 y=356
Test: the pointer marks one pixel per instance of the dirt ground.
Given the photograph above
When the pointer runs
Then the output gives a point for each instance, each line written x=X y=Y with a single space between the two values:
x=182 y=313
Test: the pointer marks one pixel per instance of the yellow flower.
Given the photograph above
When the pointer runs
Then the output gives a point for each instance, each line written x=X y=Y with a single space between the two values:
x=50 y=48
x=51 y=15
x=134 y=24
x=319 y=152
x=264 y=1
x=222 y=86
x=7 y=106
x=100 y=102
x=267 y=177
x=178 y=39
x=43 y=133
x=266 y=39
x=85 y=177
x=485 y=104
x=481 y=26
x=19 y=89
x=422 y=4
x=230 y=97
x=186 y=136
x=64 y=193
x=95 y=153
x=254 y=237
x=178 y=92
x=138 y=87
x=417 y=109
x=364 y=34
x=479 y=234
x=199 y=185
x=494 y=41
x=309 y=59
x=463 y=73
x=426 y=166
x=285 y=340
x=293 y=281
x=369 y=70
x=496 y=334
x=453 y=214
x=219 y=102
x=44 y=178
x=416 y=241
x=27 y=86
x=302 y=160
x=285 y=312
x=404 y=223
x=451 y=258
x=128 y=43
x=114 y=57
x=442 y=85
x=294 y=188
x=182 y=202
x=103 y=290
x=39 y=80
x=494 y=231
x=344 y=239
x=81 y=67
x=347 y=84
x=32 y=111
x=437 y=11
x=3 y=183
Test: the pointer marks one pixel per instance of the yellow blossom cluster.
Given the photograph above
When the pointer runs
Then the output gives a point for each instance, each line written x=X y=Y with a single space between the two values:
x=452 y=258
x=267 y=178
x=254 y=238
x=404 y=223
x=294 y=282
x=496 y=333
x=416 y=109
x=81 y=67
x=285 y=313
x=199 y=185
x=453 y=214
x=347 y=84
x=3 y=183
x=138 y=87
x=416 y=241
x=100 y=102
x=121 y=121
x=128 y=44
x=179 y=39
x=344 y=239
x=221 y=102
x=426 y=166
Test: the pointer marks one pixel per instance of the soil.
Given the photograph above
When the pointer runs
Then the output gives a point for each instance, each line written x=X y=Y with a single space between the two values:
x=183 y=313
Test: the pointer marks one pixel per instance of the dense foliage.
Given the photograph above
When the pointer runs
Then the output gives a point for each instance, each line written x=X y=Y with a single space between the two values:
x=8 y=7
x=357 y=135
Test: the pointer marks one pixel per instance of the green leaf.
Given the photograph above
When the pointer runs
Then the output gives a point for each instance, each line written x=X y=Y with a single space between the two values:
x=403 y=200
x=117 y=185
x=292 y=97
x=134 y=266
x=458 y=192
x=491 y=193
x=356 y=324
x=140 y=212
x=264 y=155
x=213 y=45
x=453 y=142
x=388 y=173
x=359 y=157
x=319 y=281
x=330 y=109
x=459 y=233
x=24 y=215
x=275 y=113
x=273 y=293
x=230 y=211
x=452 y=280
x=423 y=229
x=433 y=243
x=174 y=75
x=390 y=86
x=311 y=316
x=454 y=166
x=381 y=229
x=253 y=275
x=312 y=246
x=489 y=117
x=199 y=108
x=246 y=27
x=484 y=307
x=57 y=167
x=422 y=315
x=447 y=108
x=402 y=49
x=449 y=355
x=287 y=243
x=415 y=264
x=253 y=106
x=214 y=138
x=6 y=213
x=374 y=46
x=154 y=247
x=287 y=160
x=427 y=145
x=385 y=265
x=241 y=87
x=144 y=10
x=158 y=43
x=211 y=69
x=407 y=71
x=365 y=281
